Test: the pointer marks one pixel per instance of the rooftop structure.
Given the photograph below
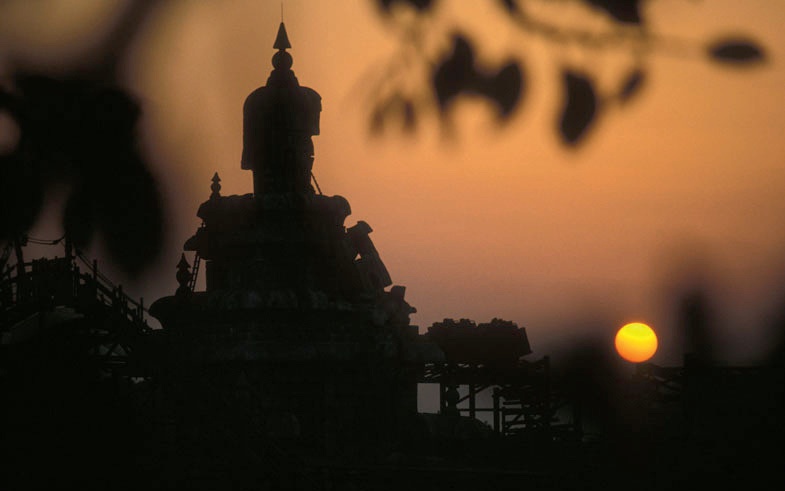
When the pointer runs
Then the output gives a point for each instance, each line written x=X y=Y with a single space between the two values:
x=296 y=321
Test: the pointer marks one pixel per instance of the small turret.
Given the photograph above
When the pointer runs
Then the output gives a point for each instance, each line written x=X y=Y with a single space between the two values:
x=215 y=187
x=183 y=276
x=279 y=120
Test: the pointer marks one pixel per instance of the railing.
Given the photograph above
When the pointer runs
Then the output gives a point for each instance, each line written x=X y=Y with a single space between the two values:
x=524 y=402
x=110 y=294
x=60 y=281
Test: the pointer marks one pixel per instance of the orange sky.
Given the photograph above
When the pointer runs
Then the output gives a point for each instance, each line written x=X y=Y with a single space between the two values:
x=500 y=221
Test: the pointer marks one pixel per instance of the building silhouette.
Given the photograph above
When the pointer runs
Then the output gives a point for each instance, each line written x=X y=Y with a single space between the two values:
x=295 y=328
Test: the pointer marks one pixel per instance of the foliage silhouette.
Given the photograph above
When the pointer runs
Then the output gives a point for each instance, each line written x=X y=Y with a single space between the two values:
x=80 y=134
x=621 y=10
x=457 y=75
x=632 y=85
x=738 y=51
x=580 y=107
x=77 y=132
x=386 y=5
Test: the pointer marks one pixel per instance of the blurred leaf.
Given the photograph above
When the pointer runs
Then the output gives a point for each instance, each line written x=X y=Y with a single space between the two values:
x=116 y=111
x=740 y=51
x=377 y=120
x=588 y=378
x=509 y=5
x=395 y=109
x=82 y=134
x=697 y=320
x=506 y=88
x=455 y=73
x=79 y=218
x=580 y=107
x=21 y=195
x=631 y=85
x=419 y=5
x=409 y=116
x=128 y=213
x=621 y=10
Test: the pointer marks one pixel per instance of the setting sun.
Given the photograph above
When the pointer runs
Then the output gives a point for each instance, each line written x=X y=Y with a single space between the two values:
x=636 y=342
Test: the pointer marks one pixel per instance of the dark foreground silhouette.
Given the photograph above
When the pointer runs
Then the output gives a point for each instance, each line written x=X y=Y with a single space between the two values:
x=298 y=367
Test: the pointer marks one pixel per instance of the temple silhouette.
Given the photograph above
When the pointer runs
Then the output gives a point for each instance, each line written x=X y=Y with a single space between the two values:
x=295 y=315
x=298 y=366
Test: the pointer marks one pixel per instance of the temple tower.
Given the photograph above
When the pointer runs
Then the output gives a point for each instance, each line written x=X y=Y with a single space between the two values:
x=297 y=339
x=279 y=120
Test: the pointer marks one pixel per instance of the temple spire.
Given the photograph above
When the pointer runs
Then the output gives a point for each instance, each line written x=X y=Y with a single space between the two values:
x=215 y=187
x=282 y=40
x=279 y=120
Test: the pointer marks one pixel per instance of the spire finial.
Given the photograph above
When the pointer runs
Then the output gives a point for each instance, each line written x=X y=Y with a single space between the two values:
x=183 y=276
x=282 y=40
x=215 y=187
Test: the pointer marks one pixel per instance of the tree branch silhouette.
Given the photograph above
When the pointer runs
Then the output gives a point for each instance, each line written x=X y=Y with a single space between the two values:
x=458 y=72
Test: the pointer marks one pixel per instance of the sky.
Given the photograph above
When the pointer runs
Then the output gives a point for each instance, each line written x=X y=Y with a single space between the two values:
x=680 y=185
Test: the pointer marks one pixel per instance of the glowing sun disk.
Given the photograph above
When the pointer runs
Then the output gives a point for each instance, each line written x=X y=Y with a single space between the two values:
x=636 y=342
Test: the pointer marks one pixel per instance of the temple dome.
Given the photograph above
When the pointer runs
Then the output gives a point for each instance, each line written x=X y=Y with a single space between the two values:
x=279 y=120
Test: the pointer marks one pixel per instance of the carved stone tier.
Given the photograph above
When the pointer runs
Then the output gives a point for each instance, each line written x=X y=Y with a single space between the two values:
x=293 y=244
